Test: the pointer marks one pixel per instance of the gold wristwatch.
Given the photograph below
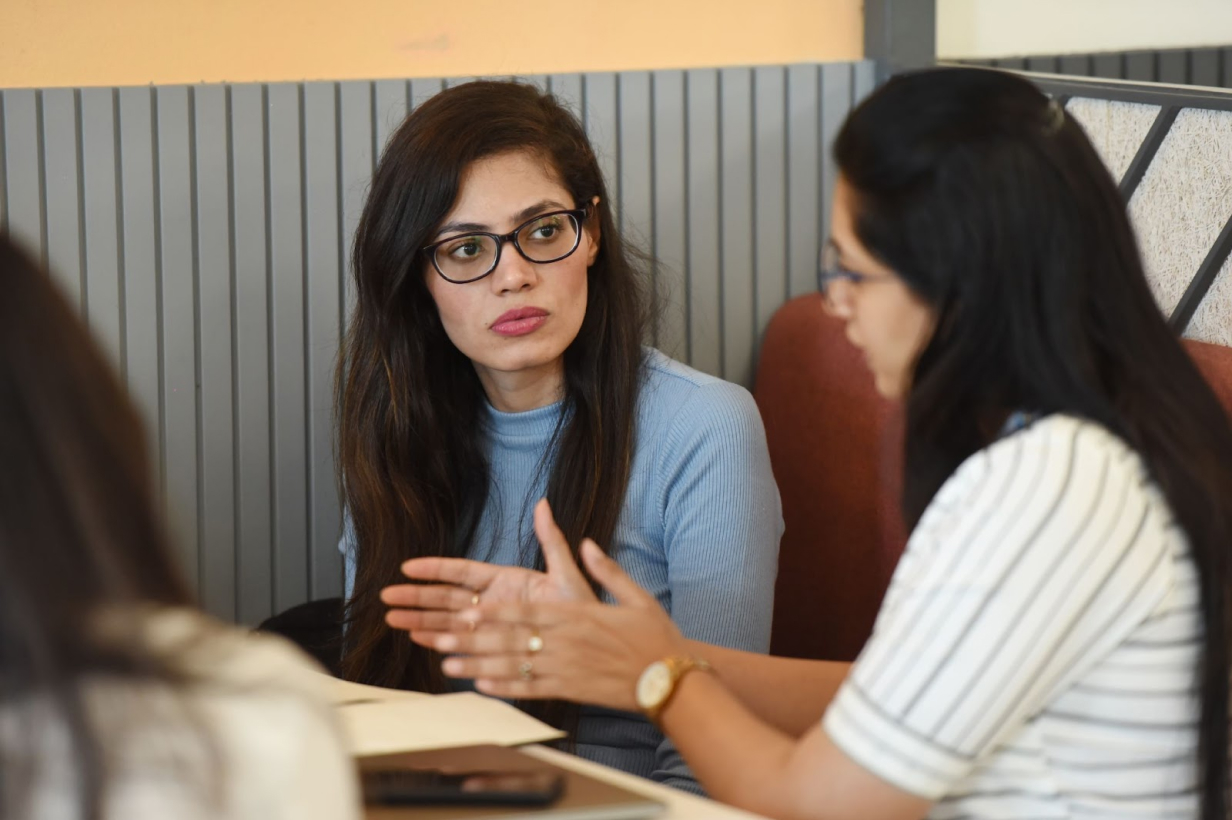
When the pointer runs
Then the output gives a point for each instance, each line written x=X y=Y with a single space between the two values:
x=657 y=683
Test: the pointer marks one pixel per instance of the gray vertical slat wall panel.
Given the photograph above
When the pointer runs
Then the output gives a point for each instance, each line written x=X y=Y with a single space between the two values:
x=603 y=128
x=836 y=87
x=22 y=150
x=1226 y=61
x=1047 y=65
x=803 y=198
x=4 y=197
x=1141 y=66
x=389 y=109
x=705 y=322
x=287 y=335
x=1173 y=67
x=570 y=88
x=1075 y=64
x=324 y=261
x=1204 y=67
x=214 y=299
x=62 y=179
x=251 y=350
x=353 y=117
x=863 y=80
x=139 y=264
x=634 y=135
x=738 y=333
x=103 y=291
x=770 y=191
x=177 y=307
x=671 y=202
x=208 y=230
x=423 y=89
x=636 y=182
x=1109 y=66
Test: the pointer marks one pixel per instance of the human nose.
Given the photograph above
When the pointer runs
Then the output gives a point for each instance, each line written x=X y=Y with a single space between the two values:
x=837 y=299
x=513 y=272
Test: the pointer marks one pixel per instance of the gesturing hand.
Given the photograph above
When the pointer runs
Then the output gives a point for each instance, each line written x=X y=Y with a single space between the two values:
x=584 y=652
x=461 y=583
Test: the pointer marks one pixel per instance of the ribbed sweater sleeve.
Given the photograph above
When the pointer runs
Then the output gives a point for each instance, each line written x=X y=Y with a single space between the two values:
x=722 y=522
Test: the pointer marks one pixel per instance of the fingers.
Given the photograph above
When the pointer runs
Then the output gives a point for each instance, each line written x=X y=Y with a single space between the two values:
x=556 y=553
x=537 y=615
x=422 y=620
x=457 y=571
x=484 y=641
x=507 y=677
x=503 y=677
x=537 y=688
x=428 y=596
x=614 y=579
x=505 y=674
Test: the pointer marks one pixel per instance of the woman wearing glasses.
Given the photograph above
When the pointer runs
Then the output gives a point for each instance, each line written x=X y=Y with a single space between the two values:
x=1055 y=640
x=495 y=358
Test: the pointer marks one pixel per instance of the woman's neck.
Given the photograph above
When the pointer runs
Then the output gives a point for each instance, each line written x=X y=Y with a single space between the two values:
x=520 y=390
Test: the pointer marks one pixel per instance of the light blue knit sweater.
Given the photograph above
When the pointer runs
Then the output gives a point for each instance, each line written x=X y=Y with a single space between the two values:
x=700 y=529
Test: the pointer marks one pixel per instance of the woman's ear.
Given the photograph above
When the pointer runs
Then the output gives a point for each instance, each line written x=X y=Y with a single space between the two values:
x=593 y=232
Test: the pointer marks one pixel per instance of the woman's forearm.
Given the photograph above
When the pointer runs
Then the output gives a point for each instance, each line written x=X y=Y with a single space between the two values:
x=790 y=694
x=742 y=761
x=737 y=758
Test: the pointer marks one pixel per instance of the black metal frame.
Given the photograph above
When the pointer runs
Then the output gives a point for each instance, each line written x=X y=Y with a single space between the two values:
x=1147 y=150
x=1206 y=66
x=1171 y=99
x=1179 y=96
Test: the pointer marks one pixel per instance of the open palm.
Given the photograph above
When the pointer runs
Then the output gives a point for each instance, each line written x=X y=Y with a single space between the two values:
x=455 y=584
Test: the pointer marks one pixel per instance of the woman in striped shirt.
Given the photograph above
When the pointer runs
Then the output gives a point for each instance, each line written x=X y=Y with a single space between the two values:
x=1055 y=641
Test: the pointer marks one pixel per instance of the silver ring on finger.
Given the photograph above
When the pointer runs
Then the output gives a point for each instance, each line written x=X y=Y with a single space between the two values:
x=534 y=643
x=526 y=669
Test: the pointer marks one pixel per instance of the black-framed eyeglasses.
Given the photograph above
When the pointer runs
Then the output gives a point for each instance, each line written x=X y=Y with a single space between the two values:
x=545 y=238
x=830 y=270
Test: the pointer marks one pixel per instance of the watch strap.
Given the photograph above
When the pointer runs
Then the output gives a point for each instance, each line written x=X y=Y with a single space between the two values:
x=678 y=666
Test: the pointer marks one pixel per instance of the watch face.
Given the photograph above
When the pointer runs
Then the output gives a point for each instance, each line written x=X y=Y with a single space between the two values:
x=654 y=685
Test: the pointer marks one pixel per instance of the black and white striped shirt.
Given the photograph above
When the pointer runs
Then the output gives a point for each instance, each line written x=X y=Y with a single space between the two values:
x=1036 y=655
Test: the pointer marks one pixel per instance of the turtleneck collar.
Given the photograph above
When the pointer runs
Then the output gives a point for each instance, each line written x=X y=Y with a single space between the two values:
x=529 y=424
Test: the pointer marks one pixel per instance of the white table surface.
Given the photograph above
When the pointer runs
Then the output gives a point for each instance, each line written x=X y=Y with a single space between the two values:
x=680 y=805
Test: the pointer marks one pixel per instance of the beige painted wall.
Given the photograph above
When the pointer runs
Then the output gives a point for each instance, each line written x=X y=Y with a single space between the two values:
x=1005 y=28
x=135 y=42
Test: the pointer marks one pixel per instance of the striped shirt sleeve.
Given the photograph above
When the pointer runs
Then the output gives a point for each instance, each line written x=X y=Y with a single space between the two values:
x=1039 y=556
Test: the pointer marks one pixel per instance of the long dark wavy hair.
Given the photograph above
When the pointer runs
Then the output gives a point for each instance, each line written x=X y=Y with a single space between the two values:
x=411 y=444
x=79 y=532
x=992 y=205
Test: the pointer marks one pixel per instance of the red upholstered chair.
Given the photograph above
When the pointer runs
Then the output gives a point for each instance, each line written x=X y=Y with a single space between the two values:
x=835 y=447
x=1215 y=362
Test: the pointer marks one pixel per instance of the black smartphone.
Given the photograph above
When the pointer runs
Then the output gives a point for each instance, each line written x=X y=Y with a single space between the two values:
x=433 y=786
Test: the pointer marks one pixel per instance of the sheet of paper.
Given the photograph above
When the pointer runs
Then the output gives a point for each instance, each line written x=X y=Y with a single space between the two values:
x=438 y=722
x=342 y=692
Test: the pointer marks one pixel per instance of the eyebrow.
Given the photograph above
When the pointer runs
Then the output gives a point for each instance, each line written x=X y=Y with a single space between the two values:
x=838 y=249
x=518 y=218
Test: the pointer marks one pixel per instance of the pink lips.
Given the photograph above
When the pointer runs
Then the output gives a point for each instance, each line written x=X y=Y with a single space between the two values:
x=519 y=321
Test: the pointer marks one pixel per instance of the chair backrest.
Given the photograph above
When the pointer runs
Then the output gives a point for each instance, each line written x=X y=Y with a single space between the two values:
x=1215 y=362
x=835 y=448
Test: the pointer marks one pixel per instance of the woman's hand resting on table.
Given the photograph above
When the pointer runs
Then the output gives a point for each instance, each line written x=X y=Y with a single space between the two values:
x=541 y=638
x=461 y=584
